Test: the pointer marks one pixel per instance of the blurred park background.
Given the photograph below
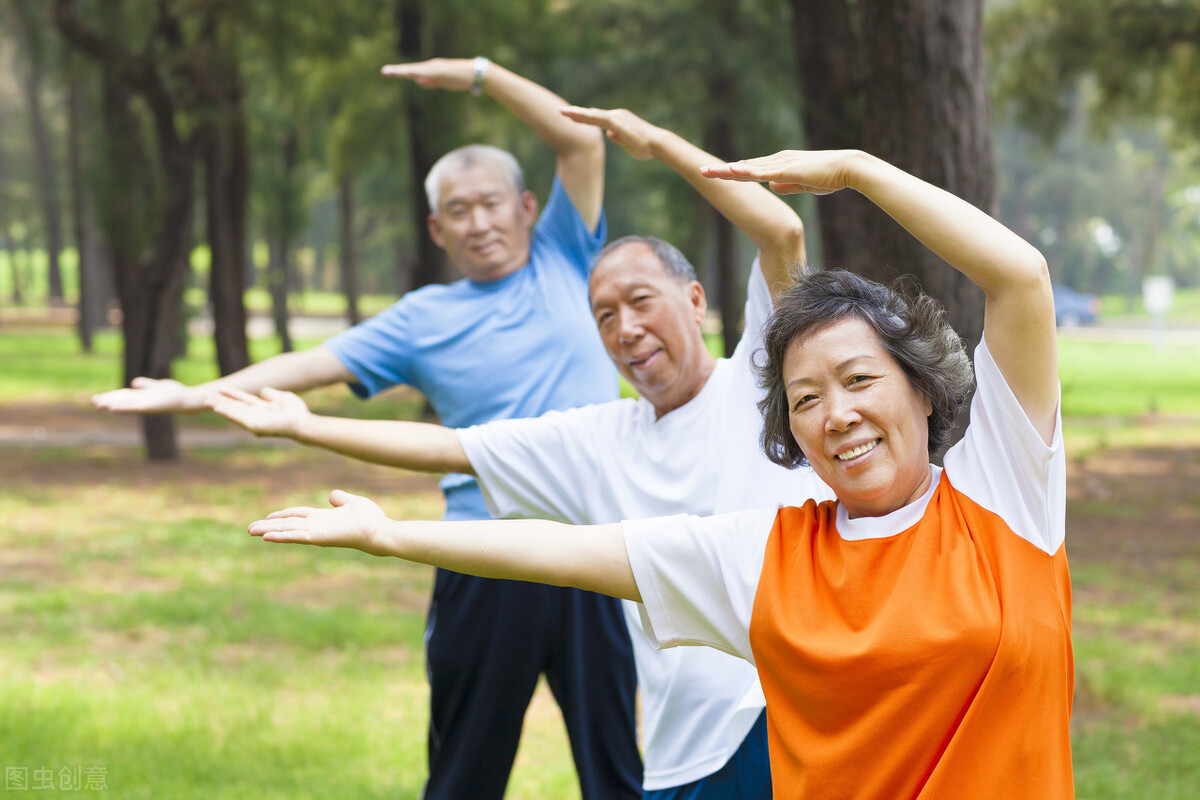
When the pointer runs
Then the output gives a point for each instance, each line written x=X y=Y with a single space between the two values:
x=190 y=185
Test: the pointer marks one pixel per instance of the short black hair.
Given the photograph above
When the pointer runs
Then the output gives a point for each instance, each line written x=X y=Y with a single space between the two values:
x=910 y=324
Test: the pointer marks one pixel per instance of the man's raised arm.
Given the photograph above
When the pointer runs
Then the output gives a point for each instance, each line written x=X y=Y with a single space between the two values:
x=580 y=149
x=768 y=221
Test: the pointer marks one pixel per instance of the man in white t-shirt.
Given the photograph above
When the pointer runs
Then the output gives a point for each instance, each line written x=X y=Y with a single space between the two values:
x=689 y=444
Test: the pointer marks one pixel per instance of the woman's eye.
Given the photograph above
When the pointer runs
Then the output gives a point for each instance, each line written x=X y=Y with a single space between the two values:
x=802 y=401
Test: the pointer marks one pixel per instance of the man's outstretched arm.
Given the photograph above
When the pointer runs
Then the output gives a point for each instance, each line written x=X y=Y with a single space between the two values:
x=417 y=446
x=580 y=149
x=768 y=221
x=298 y=371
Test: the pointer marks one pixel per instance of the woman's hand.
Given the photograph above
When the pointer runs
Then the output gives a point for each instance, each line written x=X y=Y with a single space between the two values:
x=790 y=171
x=354 y=522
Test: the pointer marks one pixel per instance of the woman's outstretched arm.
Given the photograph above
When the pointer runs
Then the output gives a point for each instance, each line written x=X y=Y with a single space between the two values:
x=1019 y=307
x=590 y=557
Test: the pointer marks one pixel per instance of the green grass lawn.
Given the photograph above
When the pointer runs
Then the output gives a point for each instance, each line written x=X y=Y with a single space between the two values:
x=143 y=633
x=1185 y=308
x=1127 y=379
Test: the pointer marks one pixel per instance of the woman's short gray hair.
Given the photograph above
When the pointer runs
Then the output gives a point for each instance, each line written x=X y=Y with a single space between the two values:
x=466 y=157
x=674 y=263
x=910 y=324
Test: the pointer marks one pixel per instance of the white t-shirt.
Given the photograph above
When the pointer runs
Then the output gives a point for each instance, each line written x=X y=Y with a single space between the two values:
x=613 y=461
x=698 y=577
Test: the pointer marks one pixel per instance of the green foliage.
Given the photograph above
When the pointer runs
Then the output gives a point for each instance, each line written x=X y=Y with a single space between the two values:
x=1142 y=58
x=1108 y=88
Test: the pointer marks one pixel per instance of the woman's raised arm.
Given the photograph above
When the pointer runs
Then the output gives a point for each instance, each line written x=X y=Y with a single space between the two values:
x=1019 y=307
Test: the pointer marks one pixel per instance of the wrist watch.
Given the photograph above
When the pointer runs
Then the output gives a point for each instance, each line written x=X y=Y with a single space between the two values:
x=481 y=67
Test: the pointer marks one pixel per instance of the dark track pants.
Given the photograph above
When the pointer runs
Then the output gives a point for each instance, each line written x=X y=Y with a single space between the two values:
x=486 y=643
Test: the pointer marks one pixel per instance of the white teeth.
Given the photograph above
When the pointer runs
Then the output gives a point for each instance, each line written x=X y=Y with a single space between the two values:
x=858 y=451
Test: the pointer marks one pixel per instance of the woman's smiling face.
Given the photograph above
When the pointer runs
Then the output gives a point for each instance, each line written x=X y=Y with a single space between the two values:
x=861 y=423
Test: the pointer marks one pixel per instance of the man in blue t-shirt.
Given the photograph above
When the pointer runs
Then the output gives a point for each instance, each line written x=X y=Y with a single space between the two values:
x=514 y=338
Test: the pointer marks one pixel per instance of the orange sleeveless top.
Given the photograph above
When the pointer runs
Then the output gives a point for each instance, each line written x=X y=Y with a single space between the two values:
x=932 y=664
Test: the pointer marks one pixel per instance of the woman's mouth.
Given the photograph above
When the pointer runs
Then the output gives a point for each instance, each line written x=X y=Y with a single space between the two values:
x=858 y=452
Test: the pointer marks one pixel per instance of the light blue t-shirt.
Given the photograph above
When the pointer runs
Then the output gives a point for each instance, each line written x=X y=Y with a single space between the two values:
x=517 y=347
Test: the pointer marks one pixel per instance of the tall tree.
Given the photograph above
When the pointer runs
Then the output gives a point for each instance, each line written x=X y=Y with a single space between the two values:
x=6 y=234
x=224 y=152
x=347 y=255
x=95 y=284
x=433 y=124
x=830 y=62
x=149 y=273
x=926 y=110
x=718 y=138
x=47 y=172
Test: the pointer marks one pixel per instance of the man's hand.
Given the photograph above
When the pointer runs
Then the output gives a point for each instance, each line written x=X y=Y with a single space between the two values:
x=273 y=413
x=623 y=127
x=353 y=522
x=454 y=74
x=150 y=396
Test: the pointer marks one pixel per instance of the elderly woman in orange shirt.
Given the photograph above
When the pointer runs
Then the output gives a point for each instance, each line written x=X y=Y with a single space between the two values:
x=913 y=637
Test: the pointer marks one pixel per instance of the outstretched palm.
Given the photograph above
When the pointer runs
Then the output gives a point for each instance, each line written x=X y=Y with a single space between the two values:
x=353 y=522
x=274 y=413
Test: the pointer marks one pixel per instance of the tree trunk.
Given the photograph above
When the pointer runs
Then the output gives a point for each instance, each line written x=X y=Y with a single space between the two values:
x=430 y=127
x=279 y=246
x=47 y=179
x=907 y=86
x=9 y=249
x=348 y=253
x=718 y=140
x=149 y=273
x=927 y=113
x=226 y=171
x=18 y=299
x=95 y=285
x=151 y=337
x=829 y=49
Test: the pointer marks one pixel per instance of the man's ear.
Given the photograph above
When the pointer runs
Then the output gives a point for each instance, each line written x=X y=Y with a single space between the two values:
x=698 y=300
x=529 y=206
x=435 y=231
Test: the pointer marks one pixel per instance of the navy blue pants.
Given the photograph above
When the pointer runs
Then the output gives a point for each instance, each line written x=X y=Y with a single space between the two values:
x=486 y=643
x=746 y=776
